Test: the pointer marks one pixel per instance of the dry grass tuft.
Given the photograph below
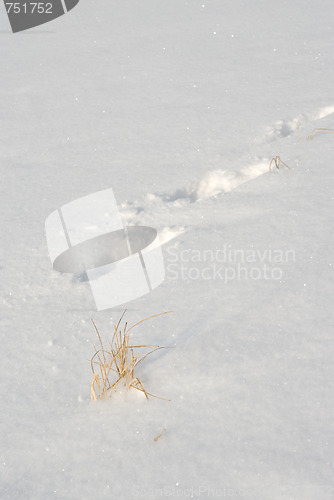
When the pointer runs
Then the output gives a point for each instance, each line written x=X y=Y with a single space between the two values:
x=320 y=131
x=117 y=363
x=159 y=435
x=277 y=161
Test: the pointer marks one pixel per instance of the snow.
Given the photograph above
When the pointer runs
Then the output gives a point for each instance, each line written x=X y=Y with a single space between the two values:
x=179 y=107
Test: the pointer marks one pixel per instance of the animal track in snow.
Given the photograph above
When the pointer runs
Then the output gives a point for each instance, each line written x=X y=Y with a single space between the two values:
x=285 y=128
x=213 y=183
x=169 y=233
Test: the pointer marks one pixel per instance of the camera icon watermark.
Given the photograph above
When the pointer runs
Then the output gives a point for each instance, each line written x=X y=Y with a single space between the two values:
x=87 y=236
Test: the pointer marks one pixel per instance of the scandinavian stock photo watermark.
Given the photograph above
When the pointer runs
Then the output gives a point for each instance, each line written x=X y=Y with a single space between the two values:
x=201 y=491
x=227 y=263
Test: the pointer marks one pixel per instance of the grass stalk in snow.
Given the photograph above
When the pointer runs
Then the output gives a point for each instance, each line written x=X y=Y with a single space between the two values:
x=277 y=161
x=114 y=365
x=320 y=131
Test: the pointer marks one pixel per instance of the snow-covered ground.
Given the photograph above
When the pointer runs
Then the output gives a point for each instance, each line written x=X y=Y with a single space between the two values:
x=178 y=106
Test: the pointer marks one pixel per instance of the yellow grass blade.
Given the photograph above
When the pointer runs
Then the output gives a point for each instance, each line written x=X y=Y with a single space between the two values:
x=150 y=317
x=277 y=161
x=159 y=435
x=320 y=131
x=120 y=360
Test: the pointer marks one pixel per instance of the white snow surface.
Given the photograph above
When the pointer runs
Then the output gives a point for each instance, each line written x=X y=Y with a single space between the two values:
x=179 y=107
